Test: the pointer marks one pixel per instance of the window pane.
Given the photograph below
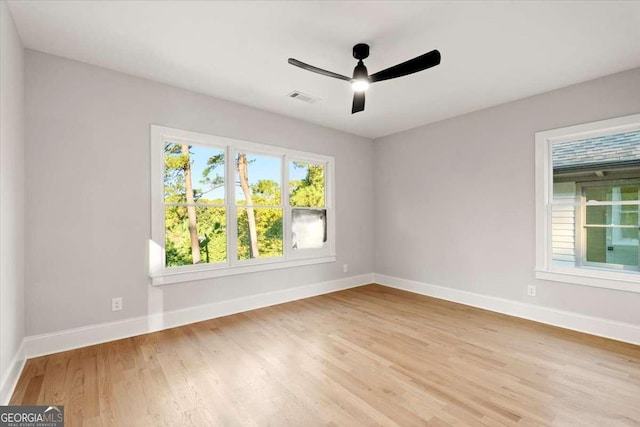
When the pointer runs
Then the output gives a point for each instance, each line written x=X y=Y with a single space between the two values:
x=605 y=245
x=208 y=241
x=258 y=180
x=598 y=194
x=308 y=228
x=598 y=214
x=603 y=158
x=613 y=193
x=601 y=153
x=563 y=238
x=306 y=184
x=265 y=225
x=196 y=167
x=564 y=192
x=597 y=245
x=622 y=215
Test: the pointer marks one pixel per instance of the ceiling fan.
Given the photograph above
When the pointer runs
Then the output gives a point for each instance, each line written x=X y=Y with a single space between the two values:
x=361 y=79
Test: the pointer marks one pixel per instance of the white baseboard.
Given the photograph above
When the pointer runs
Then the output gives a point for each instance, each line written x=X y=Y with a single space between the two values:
x=10 y=378
x=619 y=331
x=40 y=345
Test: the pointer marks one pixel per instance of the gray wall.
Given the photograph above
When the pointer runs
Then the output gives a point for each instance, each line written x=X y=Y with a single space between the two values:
x=455 y=199
x=12 y=318
x=88 y=197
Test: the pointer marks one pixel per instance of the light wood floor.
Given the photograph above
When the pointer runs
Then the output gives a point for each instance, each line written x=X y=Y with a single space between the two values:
x=367 y=356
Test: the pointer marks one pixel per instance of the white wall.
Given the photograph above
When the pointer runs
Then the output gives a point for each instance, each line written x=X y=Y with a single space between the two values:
x=12 y=317
x=455 y=199
x=88 y=192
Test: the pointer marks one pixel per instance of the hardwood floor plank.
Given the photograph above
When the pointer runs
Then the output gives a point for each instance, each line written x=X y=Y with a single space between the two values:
x=365 y=356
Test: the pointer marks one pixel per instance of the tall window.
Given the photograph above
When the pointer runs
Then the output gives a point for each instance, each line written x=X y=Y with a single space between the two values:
x=259 y=206
x=194 y=204
x=306 y=198
x=223 y=206
x=588 y=195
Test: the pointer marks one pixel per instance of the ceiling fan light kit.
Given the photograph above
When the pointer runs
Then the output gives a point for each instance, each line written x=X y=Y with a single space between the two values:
x=361 y=79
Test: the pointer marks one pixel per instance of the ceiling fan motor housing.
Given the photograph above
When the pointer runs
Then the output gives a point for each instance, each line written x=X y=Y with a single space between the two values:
x=360 y=72
x=361 y=51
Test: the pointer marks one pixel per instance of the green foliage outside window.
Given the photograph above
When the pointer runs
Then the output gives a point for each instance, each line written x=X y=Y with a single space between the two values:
x=194 y=231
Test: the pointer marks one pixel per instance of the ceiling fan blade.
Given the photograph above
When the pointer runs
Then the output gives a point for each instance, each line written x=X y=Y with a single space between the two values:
x=358 y=102
x=411 y=66
x=318 y=70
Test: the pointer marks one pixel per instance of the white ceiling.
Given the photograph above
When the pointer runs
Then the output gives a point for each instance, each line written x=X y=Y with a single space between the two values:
x=492 y=52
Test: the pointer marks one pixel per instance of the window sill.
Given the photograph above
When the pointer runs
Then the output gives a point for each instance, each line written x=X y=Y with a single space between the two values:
x=167 y=277
x=620 y=281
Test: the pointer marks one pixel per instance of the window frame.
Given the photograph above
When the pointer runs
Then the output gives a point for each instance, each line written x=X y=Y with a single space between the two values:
x=161 y=275
x=303 y=253
x=544 y=268
x=233 y=152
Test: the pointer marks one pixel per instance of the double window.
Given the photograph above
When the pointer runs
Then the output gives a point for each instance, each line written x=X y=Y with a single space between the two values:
x=588 y=199
x=223 y=206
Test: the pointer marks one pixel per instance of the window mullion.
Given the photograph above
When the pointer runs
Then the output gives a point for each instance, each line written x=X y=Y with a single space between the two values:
x=232 y=211
x=580 y=250
x=329 y=203
x=286 y=209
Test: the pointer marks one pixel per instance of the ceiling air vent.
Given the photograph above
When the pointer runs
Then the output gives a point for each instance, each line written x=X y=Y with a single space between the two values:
x=296 y=94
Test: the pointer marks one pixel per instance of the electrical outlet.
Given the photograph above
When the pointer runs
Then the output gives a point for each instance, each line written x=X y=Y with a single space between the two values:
x=531 y=290
x=345 y=268
x=116 y=304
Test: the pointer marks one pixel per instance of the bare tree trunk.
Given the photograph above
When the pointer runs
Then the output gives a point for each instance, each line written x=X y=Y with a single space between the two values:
x=244 y=183
x=191 y=210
